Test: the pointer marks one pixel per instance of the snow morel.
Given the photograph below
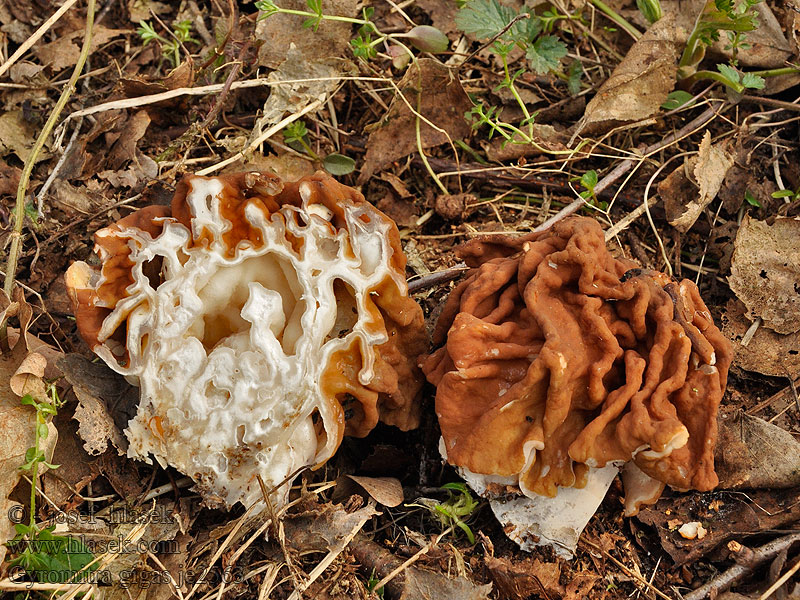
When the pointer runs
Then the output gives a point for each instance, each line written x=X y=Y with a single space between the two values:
x=262 y=321
x=560 y=364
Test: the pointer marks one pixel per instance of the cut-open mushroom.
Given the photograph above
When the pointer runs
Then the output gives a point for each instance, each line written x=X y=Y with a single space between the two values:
x=560 y=360
x=262 y=321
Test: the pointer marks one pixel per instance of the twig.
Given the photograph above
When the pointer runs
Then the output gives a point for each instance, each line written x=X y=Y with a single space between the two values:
x=263 y=137
x=626 y=165
x=402 y=567
x=437 y=278
x=27 y=44
x=627 y=571
x=784 y=578
x=726 y=580
x=56 y=170
x=24 y=180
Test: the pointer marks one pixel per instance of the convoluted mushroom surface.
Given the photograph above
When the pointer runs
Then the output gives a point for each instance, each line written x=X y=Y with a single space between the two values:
x=559 y=360
x=262 y=322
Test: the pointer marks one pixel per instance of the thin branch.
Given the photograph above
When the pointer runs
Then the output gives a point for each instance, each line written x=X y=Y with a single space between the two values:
x=736 y=573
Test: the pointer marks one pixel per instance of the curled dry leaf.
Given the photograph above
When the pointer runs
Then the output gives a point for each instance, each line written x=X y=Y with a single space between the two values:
x=434 y=90
x=767 y=352
x=27 y=379
x=17 y=421
x=641 y=82
x=746 y=454
x=765 y=272
x=387 y=491
x=685 y=199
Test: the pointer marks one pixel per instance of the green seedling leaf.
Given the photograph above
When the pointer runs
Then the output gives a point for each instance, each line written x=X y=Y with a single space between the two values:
x=589 y=180
x=729 y=72
x=651 y=9
x=363 y=48
x=267 y=8
x=338 y=164
x=783 y=194
x=484 y=18
x=677 y=99
x=545 y=53
x=751 y=200
x=428 y=39
x=574 y=74
x=752 y=81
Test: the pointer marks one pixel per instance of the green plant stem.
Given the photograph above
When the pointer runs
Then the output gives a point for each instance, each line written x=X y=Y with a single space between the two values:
x=609 y=12
x=510 y=84
x=24 y=180
x=308 y=149
x=777 y=72
x=305 y=13
x=35 y=469
x=715 y=76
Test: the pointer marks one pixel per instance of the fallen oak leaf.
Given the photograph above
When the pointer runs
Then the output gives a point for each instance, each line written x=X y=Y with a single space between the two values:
x=387 y=491
x=442 y=101
x=684 y=199
x=639 y=85
x=765 y=272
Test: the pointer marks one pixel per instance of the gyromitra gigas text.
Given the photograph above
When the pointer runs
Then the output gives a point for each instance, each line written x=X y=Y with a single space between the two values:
x=561 y=362
x=262 y=321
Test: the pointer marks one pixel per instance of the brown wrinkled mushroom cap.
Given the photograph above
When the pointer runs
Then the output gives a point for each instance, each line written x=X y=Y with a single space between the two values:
x=272 y=317
x=558 y=358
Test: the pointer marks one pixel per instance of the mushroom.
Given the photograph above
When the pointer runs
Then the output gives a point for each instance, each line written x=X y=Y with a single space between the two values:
x=561 y=363
x=262 y=321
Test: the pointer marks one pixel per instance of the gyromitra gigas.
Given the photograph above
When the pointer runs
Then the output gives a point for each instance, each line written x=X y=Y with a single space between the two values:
x=561 y=362
x=262 y=321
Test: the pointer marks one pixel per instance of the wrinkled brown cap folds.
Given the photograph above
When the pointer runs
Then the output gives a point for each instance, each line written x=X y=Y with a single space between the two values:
x=559 y=358
x=262 y=321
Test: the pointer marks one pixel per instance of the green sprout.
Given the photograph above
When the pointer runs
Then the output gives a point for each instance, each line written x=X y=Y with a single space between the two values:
x=372 y=582
x=453 y=512
x=737 y=20
x=170 y=49
x=39 y=552
x=295 y=135
x=751 y=199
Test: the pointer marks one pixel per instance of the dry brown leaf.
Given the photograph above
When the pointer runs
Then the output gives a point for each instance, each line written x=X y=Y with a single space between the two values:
x=65 y=50
x=124 y=148
x=746 y=454
x=709 y=167
x=768 y=353
x=641 y=82
x=17 y=136
x=526 y=578
x=428 y=585
x=545 y=136
x=17 y=421
x=330 y=40
x=97 y=388
x=765 y=272
x=309 y=77
x=27 y=379
x=442 y=101
x=387 y=491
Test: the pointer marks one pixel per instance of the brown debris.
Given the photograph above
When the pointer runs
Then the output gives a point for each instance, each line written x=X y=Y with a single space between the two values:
x=765 y=272
x=442 y=101
x=559 y=358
